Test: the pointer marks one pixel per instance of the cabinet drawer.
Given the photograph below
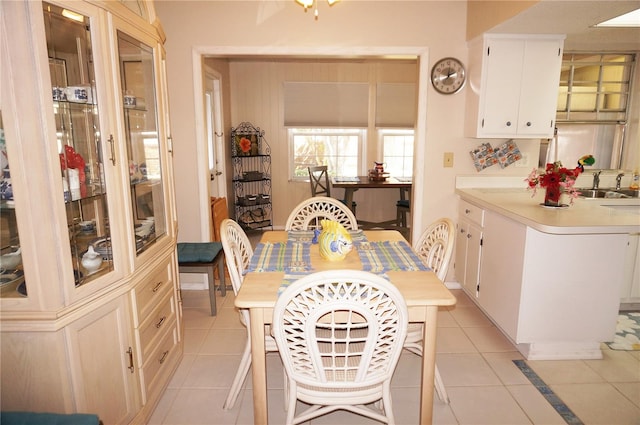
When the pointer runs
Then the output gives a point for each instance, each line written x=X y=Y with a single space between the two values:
x=149 y=292
x=155 y=324
x=471 y=212
x=159 y=358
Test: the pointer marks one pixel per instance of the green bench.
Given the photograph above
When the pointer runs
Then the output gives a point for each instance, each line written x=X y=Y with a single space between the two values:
x=204 y=257
x=32 y=418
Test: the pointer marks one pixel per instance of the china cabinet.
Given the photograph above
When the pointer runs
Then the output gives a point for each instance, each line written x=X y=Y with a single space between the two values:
x=514 y=85
x=90 y=314
x=251 y=158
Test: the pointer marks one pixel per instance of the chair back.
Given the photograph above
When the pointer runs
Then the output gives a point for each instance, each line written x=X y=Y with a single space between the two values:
x=435 y=246
x=340 y=330
x=237 y=250
x=319 y=180
x=308 y=214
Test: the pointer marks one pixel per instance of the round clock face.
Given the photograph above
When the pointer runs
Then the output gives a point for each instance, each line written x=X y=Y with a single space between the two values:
x=448 y=76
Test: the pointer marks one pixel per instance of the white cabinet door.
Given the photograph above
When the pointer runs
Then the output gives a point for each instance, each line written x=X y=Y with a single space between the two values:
x=518 y=87
x=539 y=91
x=503 y=254
x=500 y=97
x=102 y=363
x=630 y=292
x=474 y=253
x=468 y=252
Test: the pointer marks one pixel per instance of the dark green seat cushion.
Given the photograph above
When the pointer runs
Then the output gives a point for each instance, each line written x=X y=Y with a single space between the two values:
x=198 y=252
x=31 y=418
x=403 y=203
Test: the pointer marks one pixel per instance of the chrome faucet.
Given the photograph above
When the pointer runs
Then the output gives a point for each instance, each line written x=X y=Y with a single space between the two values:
x=596 y=180
x=618 y=180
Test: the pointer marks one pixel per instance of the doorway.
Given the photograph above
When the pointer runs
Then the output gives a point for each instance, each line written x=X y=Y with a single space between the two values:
x=421 y=53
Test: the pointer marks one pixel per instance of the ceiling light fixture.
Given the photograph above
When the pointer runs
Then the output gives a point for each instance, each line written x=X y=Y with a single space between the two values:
x=309 y=3
x=72 y=15
x=631 y=19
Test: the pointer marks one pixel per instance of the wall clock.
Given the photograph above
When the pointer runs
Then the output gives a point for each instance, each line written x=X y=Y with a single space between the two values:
x=448 y=75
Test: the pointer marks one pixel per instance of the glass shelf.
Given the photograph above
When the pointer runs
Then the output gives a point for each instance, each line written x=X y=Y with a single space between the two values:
x=142 y=140
x=78 y=135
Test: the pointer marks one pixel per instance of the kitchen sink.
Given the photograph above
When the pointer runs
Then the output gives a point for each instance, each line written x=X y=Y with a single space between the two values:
x=608 y=193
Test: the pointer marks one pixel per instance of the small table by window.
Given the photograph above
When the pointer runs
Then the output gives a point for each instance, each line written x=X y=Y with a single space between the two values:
x=351 y=184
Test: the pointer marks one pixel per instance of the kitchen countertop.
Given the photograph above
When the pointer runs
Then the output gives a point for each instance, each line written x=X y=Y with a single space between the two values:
x=585 y=216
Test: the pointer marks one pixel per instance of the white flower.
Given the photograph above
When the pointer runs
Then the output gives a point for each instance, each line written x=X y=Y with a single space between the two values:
x=626 y=324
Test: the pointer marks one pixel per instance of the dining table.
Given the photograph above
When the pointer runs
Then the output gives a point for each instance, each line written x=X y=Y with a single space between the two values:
x=282 y=257
x=352 y=184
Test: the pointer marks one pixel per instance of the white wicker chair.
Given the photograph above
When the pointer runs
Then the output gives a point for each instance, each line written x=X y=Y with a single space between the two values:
x=238 y=252
x=340 y=335
x=435 y=247
x=308 y=214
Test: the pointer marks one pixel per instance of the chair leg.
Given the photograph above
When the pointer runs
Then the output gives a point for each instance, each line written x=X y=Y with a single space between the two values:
x=440 y=390
x=223 y=284
x=212 y=290
x=238 y=380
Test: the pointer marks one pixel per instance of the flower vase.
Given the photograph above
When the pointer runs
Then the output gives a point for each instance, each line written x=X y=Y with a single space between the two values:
x=552 y=196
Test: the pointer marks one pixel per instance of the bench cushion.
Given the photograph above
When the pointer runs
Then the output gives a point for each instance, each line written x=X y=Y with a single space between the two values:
x=198 y=252
x=31 y=418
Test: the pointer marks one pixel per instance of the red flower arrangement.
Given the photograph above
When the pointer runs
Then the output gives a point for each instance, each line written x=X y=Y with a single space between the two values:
x=245 y=145
x=556 y=180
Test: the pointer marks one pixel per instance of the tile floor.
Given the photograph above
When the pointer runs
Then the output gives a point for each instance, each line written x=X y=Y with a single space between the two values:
x=474 y=358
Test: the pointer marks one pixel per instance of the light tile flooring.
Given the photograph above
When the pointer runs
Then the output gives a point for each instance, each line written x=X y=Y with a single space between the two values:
x=474 y=358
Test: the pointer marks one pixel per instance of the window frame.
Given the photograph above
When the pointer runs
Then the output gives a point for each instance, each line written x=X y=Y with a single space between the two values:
x=361 y=133
x=384 y=132
x=571 y=85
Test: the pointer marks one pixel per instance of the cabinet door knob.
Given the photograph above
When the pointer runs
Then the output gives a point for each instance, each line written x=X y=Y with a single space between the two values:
x=508 y=123
x=528 y=123
x=468 y=235
x=462 y=231
x=467 y=211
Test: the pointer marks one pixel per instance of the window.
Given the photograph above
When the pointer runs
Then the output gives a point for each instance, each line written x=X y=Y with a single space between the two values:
x=591 y=114
x=338 y=148
x=594 y=87
x=397 y=148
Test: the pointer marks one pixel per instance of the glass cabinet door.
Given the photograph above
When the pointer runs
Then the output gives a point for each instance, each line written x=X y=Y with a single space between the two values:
x=142 y=139
x=12 y=282
x=79 y=141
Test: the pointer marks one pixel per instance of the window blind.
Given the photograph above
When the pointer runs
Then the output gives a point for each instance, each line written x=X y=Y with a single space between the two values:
x=311 y=104
x=396 y=105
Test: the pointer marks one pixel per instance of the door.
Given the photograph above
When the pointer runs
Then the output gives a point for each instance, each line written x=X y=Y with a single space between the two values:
x=215 y=135
x=102 y=363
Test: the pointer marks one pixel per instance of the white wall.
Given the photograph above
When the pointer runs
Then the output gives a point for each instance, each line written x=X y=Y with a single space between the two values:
x=256 y=96
x=247 y=27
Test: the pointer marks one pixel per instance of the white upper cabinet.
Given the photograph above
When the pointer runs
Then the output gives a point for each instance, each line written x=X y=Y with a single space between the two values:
x=514 y=86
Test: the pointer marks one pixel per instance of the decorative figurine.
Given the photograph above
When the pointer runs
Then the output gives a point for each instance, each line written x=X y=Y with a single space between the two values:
x=335 y=242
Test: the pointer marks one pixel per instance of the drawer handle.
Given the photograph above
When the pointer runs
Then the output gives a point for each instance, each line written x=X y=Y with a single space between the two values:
x=161 y=322
x=468 y=235
x=462 y=231
x=164 y=357
x=158 y=285
x=467 y=211
x=528 y=123
x=508 y=123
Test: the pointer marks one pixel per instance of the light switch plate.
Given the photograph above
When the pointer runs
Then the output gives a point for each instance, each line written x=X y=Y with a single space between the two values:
x=448 y=159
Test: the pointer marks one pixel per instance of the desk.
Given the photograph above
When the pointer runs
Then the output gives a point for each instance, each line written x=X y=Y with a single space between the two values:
x=363 y=182
x=422 y=291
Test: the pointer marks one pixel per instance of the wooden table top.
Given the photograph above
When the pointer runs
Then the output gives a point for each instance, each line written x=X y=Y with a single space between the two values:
x=419 y=288
x=363 y=182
